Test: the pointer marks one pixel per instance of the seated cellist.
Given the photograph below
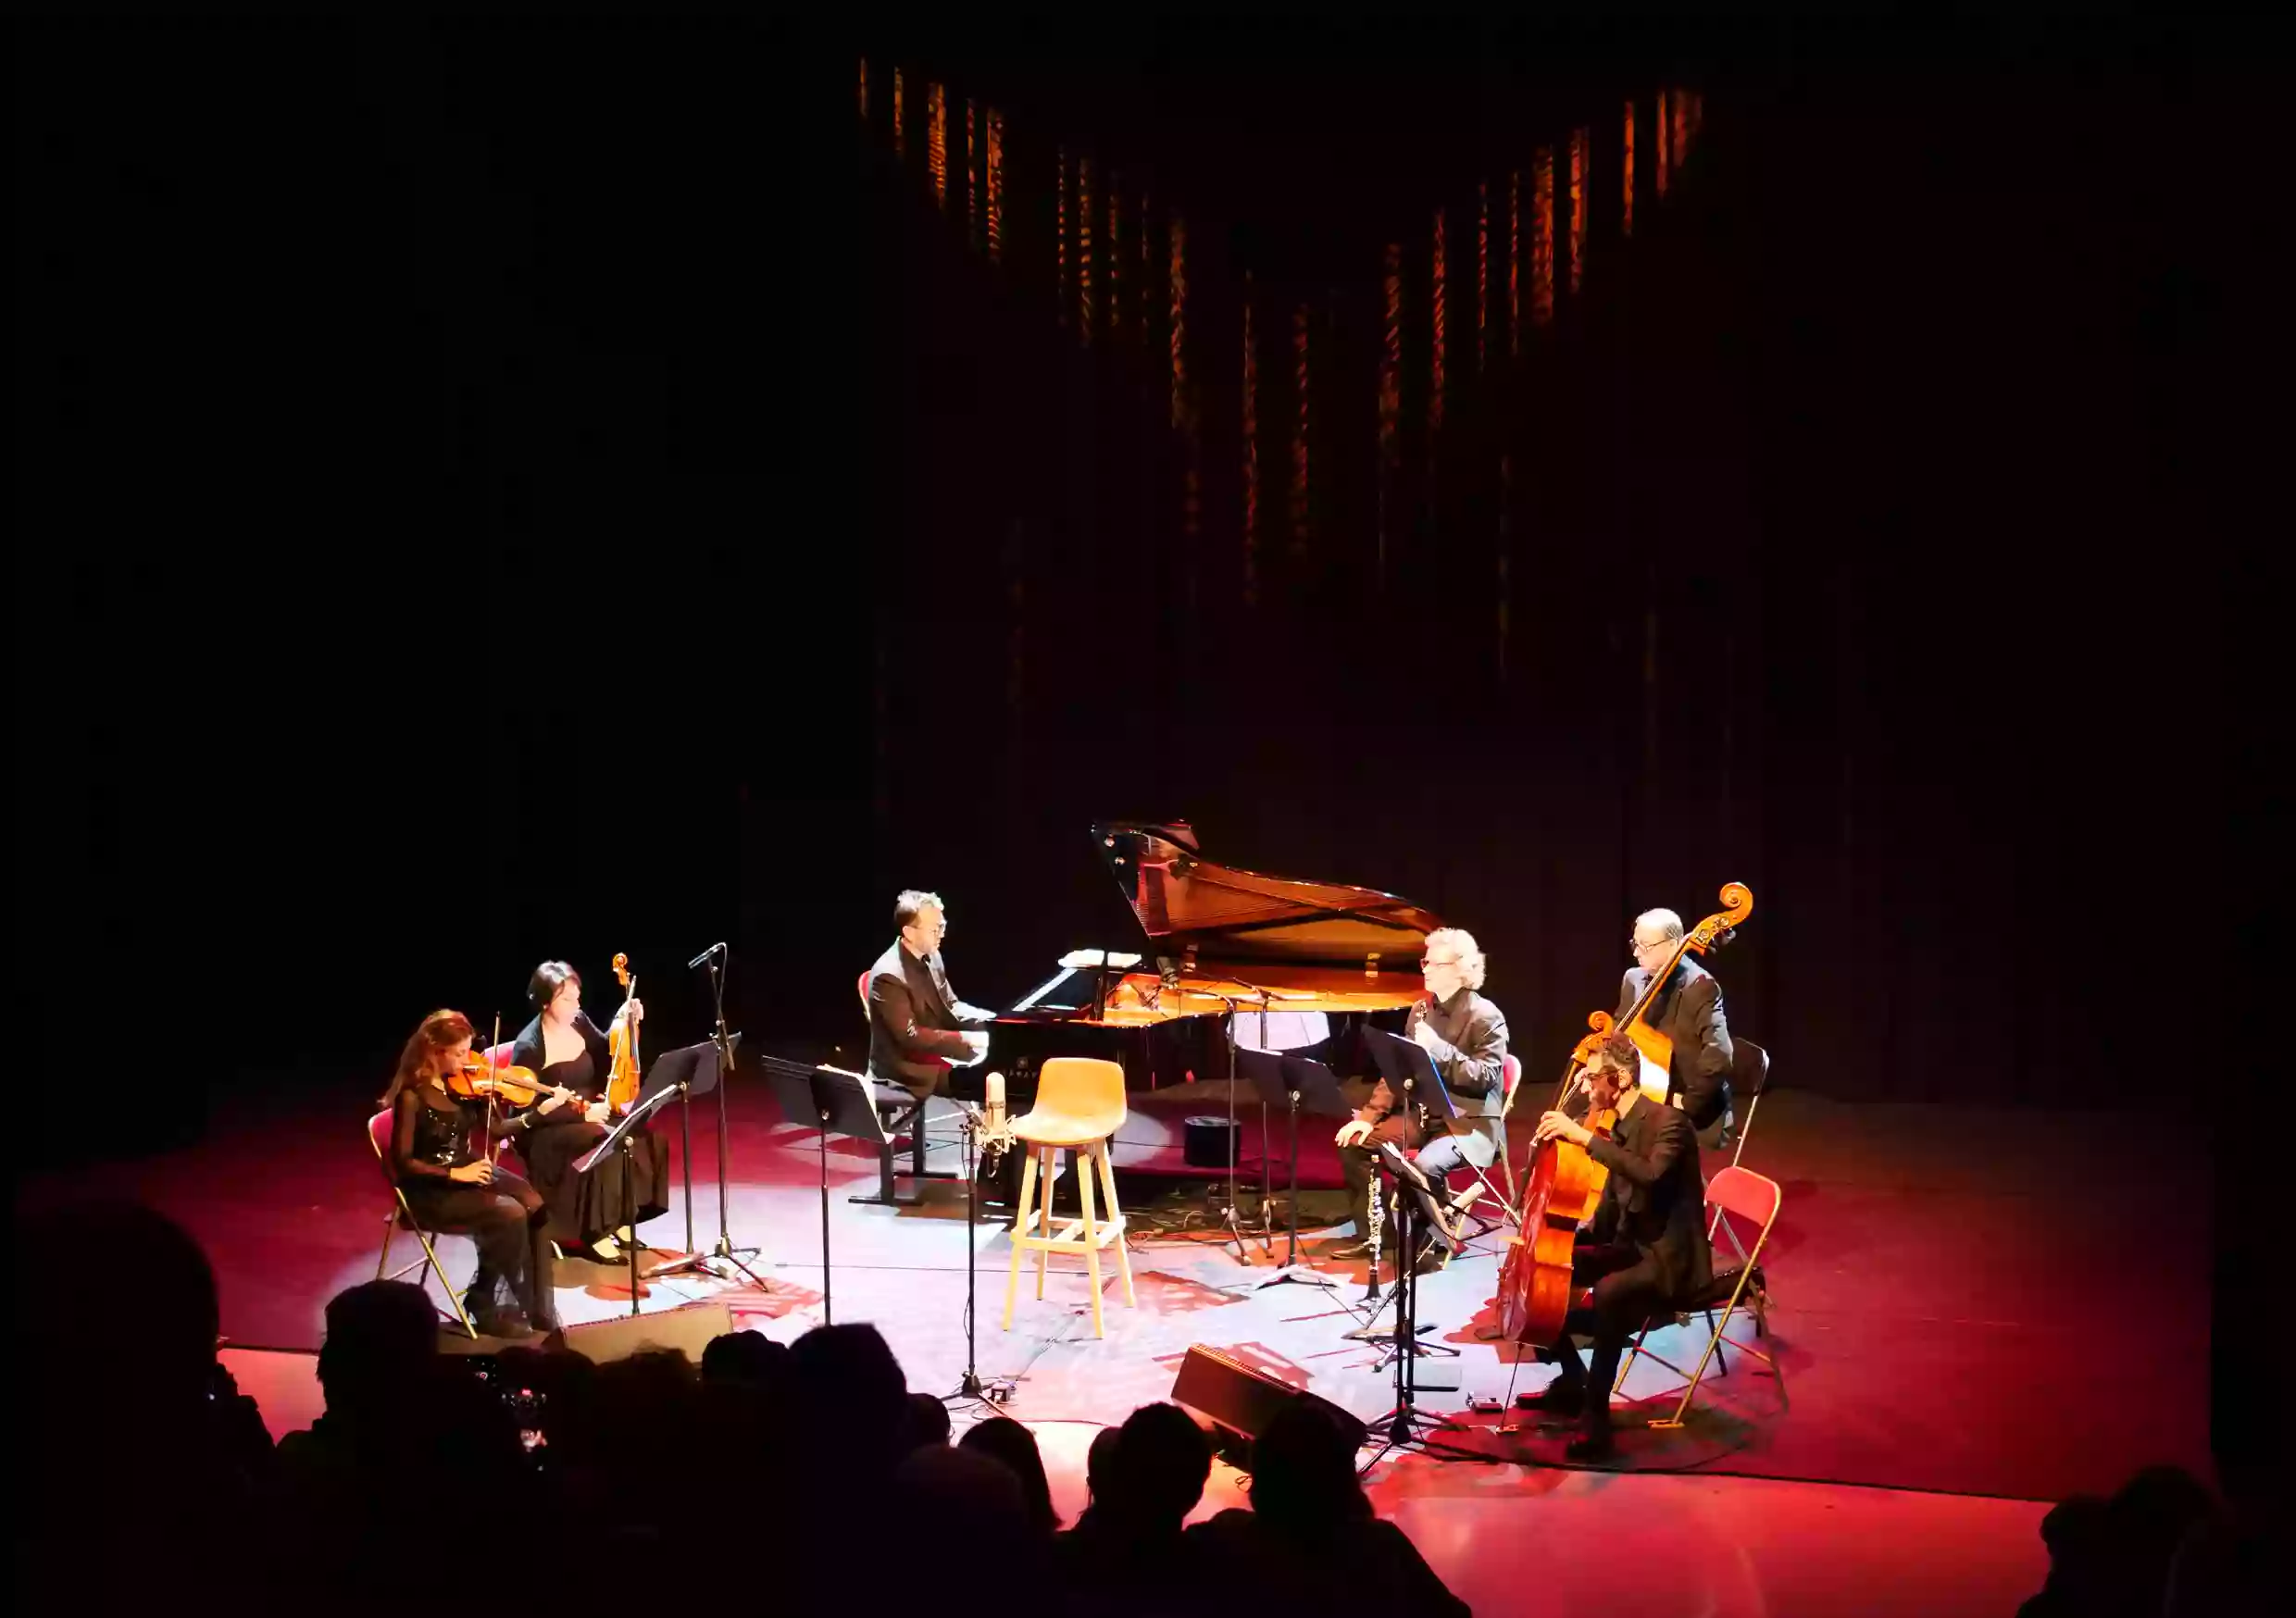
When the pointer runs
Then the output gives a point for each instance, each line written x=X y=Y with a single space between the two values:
x=1647 y=1251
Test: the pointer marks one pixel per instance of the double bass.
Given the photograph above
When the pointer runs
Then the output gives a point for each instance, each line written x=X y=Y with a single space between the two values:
x=1566 y=1182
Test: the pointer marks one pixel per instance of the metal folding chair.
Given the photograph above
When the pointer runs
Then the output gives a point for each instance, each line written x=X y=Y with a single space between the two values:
x=1510 y=1075
x=1750 y=1076
x=1754 y=1199
x=379 y=1137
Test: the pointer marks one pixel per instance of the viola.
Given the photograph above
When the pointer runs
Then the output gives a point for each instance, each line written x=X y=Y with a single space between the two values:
x=622 y=1083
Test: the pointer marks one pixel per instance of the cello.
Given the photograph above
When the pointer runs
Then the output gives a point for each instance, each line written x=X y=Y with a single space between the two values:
x=1566 y=1182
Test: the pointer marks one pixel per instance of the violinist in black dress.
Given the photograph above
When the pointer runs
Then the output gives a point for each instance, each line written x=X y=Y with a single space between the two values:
x=454 y=1187
x=564 y=1048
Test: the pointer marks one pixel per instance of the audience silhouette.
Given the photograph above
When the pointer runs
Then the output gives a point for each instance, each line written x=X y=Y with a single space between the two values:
x=2161 y=1544
x=1311 y=1540
x=1007 y=1441
x=437 y=1476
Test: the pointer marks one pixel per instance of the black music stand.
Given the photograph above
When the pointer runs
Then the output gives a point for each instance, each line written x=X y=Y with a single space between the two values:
x=1298 y=1086
x=791 y=1083
x=620 y=1141
x=695 y=1070
x=1403 y=1423
x=828 y=1101
x=1410 y=1073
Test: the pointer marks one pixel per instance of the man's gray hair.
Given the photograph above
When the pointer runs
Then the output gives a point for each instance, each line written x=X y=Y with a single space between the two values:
x=1665 y=921
x=914 y=900
x=1461 y=943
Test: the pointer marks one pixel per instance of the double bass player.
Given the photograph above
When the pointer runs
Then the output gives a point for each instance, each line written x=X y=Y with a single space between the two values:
x=1647 y=1252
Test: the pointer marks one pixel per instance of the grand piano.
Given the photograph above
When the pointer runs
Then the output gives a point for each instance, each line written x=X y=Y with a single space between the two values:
x=1219 y=940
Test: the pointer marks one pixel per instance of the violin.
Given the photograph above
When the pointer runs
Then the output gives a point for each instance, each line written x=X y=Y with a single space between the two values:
x=621 y=1082
x=517 y=1087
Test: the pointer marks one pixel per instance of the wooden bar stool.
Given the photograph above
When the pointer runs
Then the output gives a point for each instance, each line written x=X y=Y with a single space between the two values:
x=1079 y=1106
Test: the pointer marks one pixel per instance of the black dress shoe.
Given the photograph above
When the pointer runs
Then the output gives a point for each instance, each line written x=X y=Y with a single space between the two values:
x=1592 y=1448
x=1560 y=1397
x=511 y=1324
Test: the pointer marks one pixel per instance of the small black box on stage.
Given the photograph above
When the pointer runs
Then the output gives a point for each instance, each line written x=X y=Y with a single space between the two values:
x=1209 y=1141
x=1241 y=1400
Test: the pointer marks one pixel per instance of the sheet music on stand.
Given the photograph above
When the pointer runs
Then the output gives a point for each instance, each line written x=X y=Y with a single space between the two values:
x=830 y=1101
x=693 y=1066
x=1409 y=1071
x=652 y=1094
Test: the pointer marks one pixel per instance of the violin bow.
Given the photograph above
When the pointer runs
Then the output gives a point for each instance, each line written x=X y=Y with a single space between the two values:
x=493 y=1143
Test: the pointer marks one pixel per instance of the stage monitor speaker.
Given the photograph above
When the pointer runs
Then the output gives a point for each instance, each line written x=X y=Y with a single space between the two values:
x=688 y=1328
x=1241 y=1402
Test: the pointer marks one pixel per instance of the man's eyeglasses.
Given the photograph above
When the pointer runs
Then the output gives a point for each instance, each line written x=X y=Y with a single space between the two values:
x=1427 y=961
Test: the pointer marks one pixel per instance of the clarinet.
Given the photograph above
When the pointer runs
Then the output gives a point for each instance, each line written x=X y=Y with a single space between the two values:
x=1375 y=1212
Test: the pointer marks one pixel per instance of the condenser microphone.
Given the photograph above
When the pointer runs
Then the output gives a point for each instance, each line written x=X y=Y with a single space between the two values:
x=716 y=949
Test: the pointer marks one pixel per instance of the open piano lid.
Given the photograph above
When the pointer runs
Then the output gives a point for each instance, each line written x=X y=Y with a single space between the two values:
x=1201 y=913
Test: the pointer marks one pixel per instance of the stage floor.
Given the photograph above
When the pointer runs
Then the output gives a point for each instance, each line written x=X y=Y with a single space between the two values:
x=1956 y=1307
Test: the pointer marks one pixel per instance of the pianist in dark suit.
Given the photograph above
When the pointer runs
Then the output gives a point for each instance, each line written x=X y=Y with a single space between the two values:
x=1466 y=1037
x=1688 y=1013
x=1647 y=1253
x=919 y=1029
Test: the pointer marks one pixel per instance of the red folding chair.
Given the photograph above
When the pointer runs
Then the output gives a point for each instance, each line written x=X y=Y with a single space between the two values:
x=1511 y=1075
x=1750 y=1076
x=1754 y=1199
x=379 y=1137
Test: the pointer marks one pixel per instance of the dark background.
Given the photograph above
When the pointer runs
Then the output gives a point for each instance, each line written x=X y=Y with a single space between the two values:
x=491 y=491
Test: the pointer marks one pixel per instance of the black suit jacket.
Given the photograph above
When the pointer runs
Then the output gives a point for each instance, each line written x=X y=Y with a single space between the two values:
x=1690 y=1013
x=913 y=1021
x=1655 y=1199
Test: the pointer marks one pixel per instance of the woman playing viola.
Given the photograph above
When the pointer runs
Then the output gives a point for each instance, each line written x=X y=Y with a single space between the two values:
x=565 y=1049
x=452 y=1188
